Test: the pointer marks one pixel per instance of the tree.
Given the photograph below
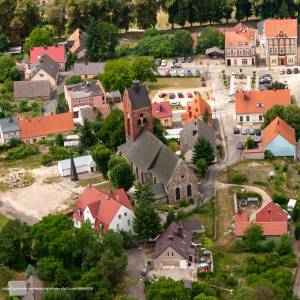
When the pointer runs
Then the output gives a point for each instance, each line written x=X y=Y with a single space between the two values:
x=284 y=246
x=143 y=69
x=101 y=156
x=62 y=105
x=143 y=193
x=202 y=167
x=56 y=16
x=297 y=231
x=243 y=9
x=203 y=150
x=101 y=40
x=57 y=295
x=3 y=42
x=165 y=288
x=146 y=222
x=8 y=70
x=59 y=140
x=87 y=135
x=204 y=297
x=38 y=37
x=159 y=130
x=122 y=13
x=276 y=85
x=115 y=161
x=253 y=236
x=271 y=114
x=73 y=80
x=145 y=12
x=228 y=9
x=210 y=37
x=171 y=217
x=117 y=75
x=7 y=8
x=122 y=176
x=183 y=42
x=48 y=267
x=250 y=143
x=5 y=275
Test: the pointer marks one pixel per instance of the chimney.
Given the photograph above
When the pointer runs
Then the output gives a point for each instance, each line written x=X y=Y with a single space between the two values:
x=180 y=231
x=136 y=85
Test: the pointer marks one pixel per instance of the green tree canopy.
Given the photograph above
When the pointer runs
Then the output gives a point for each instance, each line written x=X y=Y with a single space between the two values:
x=73 y=80
x=183 y=42
x=143 y=193
x=8 y=70
x=253 y=236
x=203 y=150
x=101 y=156
x=3 y=42
x=121 y=175
x=87 y=135
x=115 y=161
x=210 y=37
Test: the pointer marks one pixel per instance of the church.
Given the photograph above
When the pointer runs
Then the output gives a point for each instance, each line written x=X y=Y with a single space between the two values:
x=151 y=160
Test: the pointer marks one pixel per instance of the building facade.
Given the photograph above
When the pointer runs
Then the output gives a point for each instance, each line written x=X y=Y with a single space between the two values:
x=9 y=129
x=281 y=38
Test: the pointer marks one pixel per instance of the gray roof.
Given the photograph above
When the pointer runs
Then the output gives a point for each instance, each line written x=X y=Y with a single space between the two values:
x=138 y=95
x=32 y=89
x=87 y=113
x=115 y=94
x=158 y=190
x=191 y=225
x=9 y=125
x=149 y=154
x=172 y=238
x=17 y=288
x=79 y=161
x=85 y=89
x=91 y=68
x=48 y=65
x=192 y=131
x=214 y=50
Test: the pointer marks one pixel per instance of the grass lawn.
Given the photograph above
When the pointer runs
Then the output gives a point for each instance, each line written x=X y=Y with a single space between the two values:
x=3 y=221
x=105 y=186
x=30 y=162
x=175 y=82
x=205 y=216
x=91 y=181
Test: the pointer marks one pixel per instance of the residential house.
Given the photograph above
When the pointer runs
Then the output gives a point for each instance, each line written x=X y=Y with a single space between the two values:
x=37 y=89
x=240 y=47
x=88 y=70
x=105 y=211
x=45 y=69
x=87 y=113
x=197 y=108
x=84 y=94
x=35 y=129
x=57 y=53
x=279 y=138
x=77 y=43
x=83 y=164
x=9 y=129
x=251 y=106
x=271 y=217
x=163 y=112
x=174 y=248
x=281 y=40
x=152 y=161
x=113 y=97
x=190 y=134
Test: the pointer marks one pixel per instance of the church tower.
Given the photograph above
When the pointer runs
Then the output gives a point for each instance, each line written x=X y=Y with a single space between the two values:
x=137 y=110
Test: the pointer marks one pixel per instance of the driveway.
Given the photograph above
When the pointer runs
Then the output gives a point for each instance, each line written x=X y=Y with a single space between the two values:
x=136 y=262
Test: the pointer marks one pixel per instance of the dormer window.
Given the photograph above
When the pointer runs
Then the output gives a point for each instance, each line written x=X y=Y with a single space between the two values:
x=259 y=105
x=79 y=211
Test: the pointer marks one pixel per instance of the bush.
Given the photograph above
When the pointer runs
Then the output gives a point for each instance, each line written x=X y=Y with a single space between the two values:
x=269 y=155
x=22 y=152
x=46 y=159
x=122 y=176
x=184 y=203
x=73 y=80
x=297 y=231
x=115 y=161
x=280 y=199
x=237 y=178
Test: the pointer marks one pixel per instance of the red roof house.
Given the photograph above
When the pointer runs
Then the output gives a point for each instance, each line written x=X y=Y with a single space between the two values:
x=56 y=53
x=34 y=129
x=272 y=218
x=163 y=112
x=103 y=210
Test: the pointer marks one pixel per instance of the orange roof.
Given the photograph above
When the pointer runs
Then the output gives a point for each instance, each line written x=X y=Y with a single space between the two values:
x=162 y=109
x=275 y=128
x=45 y=125
x=195 y=109
x=260 y=101
x=243 y=37
x=273 y=27
x=236 y=27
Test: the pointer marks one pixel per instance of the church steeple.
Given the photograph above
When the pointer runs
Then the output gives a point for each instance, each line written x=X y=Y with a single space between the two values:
x=74 y=175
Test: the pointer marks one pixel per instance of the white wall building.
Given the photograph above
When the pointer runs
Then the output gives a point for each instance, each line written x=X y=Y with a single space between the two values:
x=82 y=163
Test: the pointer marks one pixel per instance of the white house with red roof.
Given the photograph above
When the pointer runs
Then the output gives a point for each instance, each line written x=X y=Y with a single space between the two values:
x=271 y=217
x=56 y=53
x=103 y=210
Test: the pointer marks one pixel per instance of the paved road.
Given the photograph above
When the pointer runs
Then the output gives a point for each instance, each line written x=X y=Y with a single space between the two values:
x=136 y=262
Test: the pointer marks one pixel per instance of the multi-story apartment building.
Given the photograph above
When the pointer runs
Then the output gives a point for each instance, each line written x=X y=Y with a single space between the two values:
x=281 y=42
x=240 y=46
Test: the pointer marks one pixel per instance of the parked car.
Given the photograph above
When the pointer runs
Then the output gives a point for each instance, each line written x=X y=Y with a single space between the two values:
x=286 y=84
x=196 y=93
x=175 y=60
x=189 y=59
x=180 y=95
x=239 y=146
x=296 y=71
x=265 y=75
x=172 y=96
x=189 y=73
x=245 y=131
x=163 y=63
x=158 y=62
x=182 y=73
x=176 y=65
x=264 y=86
x=236 y=130
x=183 y=60
x=289 y=71
x=265 y=80
x=197 y=73
x=173 y=73
x=190 y=95
x=282 y=72
x=162 y=95
x=258 y=132
x=251 y=132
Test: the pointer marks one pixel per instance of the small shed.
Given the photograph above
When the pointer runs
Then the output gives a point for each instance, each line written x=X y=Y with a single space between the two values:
x=252 y=200
x=291 y=204
x=271 y=174
x=83 y=164
x=214 y=52
x=17 y=288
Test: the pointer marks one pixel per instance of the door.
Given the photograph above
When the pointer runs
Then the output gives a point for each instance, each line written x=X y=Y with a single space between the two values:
x=229 y=62
x=282 y=61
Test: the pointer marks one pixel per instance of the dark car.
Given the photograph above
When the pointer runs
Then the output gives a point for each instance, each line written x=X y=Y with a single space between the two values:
x=258 y=132
x=289 y=71
x=176 y=65
x=196 y=93
x=175 y=60
x=190 y=95
x=296 y=71
x=236 y=130
x=180 y=95
x=265 y=80
x=183 y=60
x=264 y=86
x=265 y=75
x=189 y=73
x=197 y=73
x=162 y=95
x=239 y=146
x=172 y=96
x=158 y=62
x=189 y=59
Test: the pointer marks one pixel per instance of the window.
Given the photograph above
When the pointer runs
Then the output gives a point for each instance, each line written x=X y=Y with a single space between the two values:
x=287 y=49
x=177 y=192
x=274 y=61
x=75 y=114
x=172 y=254
x=118 y=227
x=287 y=41
x=275 y=50
x=244 y=61
x=125 y=214
x=168 y=254
x=260 y=117
x=292 y=49
x=271 y=50
x=189 y=190
x=41 y=75
x=145 y=121
x=247 y=118
x=119 y=216
x=241 y=118
x=139 y=122
x=290 y=60
x=275 y=42
x=293 y=41
x=281 y=50
x=166 y=121
x=281 y=41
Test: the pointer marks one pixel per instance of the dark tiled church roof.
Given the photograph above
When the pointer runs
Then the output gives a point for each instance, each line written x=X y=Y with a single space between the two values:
x=138 y=95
